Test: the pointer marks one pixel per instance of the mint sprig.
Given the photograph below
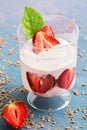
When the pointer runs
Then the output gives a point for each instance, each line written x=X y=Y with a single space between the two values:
x=31 y=22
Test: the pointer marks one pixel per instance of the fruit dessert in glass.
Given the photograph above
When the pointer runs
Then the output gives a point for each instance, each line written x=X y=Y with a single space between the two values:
x=48 y=54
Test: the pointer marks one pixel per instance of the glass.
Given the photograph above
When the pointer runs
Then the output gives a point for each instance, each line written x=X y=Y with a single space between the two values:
x=50 y=75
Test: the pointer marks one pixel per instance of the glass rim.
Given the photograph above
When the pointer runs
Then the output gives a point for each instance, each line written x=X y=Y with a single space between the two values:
x=51 y=15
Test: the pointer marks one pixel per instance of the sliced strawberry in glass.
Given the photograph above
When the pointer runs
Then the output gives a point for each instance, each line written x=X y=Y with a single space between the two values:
x=33 y=80
x=46 y=83
x=40 y=84
x=66 y=78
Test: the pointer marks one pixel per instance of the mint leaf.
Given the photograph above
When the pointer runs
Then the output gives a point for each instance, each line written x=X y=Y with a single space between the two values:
x=32 y=21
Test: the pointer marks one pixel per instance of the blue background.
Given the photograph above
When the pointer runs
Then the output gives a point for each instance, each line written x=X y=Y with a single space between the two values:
x=11 y=12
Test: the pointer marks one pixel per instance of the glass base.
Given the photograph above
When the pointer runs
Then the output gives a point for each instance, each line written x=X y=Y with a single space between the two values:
x=46 y=103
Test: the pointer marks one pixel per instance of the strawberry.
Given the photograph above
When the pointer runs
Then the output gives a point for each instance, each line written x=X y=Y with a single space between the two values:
x=66 y=78
x=33 y=80
x=48 y=30
x=40 y=84
x=15 y=114
x=46 y=83
x=44 y=38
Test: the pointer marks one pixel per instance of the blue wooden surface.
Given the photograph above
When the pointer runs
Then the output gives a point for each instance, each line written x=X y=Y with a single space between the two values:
x=10 y=15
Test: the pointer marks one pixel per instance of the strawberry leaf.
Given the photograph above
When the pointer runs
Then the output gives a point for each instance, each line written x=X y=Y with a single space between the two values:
x=32 y=21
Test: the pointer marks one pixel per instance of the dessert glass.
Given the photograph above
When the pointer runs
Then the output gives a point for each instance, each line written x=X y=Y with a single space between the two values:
x=53 y=70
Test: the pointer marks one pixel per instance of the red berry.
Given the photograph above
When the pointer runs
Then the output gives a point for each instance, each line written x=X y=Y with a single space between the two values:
x=44 y=38
x=46 y=83
x=48 y=30
x=33 y=80
x=40 y=84
x=66 y=78
x=15 y=114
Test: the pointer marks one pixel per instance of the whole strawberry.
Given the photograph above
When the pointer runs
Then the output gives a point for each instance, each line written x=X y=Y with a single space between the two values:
x=15 y=114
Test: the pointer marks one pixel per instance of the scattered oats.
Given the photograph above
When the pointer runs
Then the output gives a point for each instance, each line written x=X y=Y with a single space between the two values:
x=48 y=118
x=79 y=109
x=43 y=118
x=74 y=122
x=23 y=90
x=27 y=126
x=3 y=91
x=38 y=126
x=53 y=122
x=39 y=116
x=85 y=115
x=1 y=104
x=49 y=110
x=15 y=39
x=82 y=126
x=2 y=41
x=1 y=55
x=3 y=68
x=17 y=63
x=1 y=87
x=31 y=116
x=1 y=73
x=42 y=126
x=31 y=122
x=68 y=128
x=80 y=54
x=80 y=28
x=8 y=62
x=6 y=97
x=12 y=91
x=71 y=114
x=84 y=69
x=56 y=129
x=84 y=84
x=75 y=92
x=78 y=72
x=85 y=38
x=10 y=51
x=76 y=128
x=16 y=52
x=84 y=110
x=85 y=93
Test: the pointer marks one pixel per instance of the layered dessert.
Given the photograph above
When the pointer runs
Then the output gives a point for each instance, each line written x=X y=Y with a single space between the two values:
x=48 y=63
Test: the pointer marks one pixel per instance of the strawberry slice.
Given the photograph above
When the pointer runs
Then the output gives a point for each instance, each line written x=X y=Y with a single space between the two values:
x=46 y=83
x=49 y=41
x=33 y=80
x=15 y=114
x=44 y=38
x=40 y=84
x=42 y=41
x=48 y=30
x=66 y=78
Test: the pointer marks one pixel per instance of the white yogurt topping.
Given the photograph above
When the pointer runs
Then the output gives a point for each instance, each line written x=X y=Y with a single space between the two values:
x=59 y=56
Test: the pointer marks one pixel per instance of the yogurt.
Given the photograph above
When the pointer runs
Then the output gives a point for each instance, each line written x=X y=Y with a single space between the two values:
x=53 y=61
